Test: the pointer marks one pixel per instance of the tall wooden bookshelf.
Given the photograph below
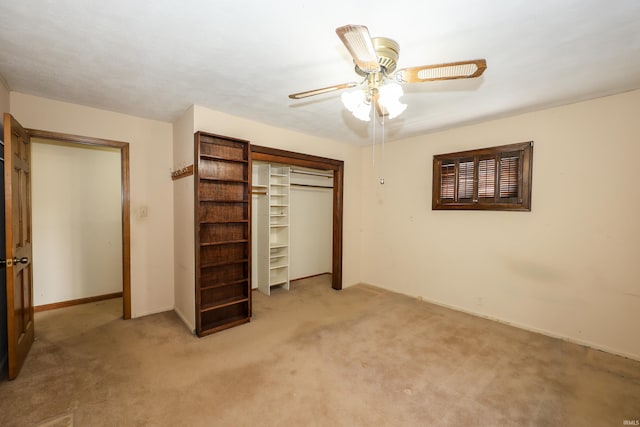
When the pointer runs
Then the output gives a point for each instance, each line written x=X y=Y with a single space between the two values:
x=222 y=232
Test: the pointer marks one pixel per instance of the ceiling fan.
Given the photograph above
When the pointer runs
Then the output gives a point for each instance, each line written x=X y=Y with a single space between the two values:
x=375 y=59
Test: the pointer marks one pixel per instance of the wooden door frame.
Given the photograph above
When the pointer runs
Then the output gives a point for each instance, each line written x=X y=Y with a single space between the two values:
x=274 y=155
x=125 y=192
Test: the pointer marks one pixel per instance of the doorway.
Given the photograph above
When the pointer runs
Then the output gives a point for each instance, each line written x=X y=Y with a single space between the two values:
x=121 y=148
x=75 y=192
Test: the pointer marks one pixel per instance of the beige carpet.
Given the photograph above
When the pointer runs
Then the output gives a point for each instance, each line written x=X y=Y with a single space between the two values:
x=313 y=357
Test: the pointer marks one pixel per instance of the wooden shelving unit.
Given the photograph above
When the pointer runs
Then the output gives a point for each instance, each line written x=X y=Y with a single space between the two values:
x=222 y=236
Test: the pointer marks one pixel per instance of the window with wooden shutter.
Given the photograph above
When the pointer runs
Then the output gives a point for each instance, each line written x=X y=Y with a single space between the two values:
x=496 y=178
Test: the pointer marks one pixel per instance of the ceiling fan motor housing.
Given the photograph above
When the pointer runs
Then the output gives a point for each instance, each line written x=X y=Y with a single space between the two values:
x=387 y=51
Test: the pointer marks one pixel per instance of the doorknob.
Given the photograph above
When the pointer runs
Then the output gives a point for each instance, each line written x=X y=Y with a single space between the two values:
x=9 y=262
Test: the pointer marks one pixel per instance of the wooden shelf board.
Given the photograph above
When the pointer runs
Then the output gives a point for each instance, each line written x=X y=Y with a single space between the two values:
x=224 y=242
x=210 y=328
x=278 y=246
x=220 y=264
x=276 y=267
x=222 y=284
x=223 y=303
x=278 y=225
x=231 y=221
x=235 y=181
x=221 y=159
x=223 y=201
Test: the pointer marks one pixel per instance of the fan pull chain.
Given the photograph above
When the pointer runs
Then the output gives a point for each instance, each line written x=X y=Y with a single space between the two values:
x=373 y=142
x=382 y=155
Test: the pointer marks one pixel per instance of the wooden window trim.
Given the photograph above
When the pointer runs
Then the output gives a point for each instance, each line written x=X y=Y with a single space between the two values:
x=521 y=202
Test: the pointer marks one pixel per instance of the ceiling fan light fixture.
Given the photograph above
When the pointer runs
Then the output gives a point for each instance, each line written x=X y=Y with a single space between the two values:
x=376 y=59
x=389 y=98
x=358 y=104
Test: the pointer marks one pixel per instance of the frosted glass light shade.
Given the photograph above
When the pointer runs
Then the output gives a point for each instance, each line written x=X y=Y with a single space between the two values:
x=356 y=102
x=390 y=99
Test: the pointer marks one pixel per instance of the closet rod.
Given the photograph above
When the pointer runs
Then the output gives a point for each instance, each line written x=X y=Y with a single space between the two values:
x=293 y=184
x=311 y=173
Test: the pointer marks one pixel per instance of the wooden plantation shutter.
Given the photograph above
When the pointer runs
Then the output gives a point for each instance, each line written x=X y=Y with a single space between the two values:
x=465 y=179
x=447 y=186
x=486 y=178
x=509 y=168
x=496 y=178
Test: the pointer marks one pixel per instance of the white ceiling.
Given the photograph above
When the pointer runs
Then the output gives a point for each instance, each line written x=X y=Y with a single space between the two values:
x=156 y=58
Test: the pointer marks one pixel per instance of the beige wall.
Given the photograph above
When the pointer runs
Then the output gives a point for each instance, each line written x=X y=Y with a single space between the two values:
x=568 y=268
x=4 y=97
x=150 y=142
x=77 y=218
x=184 y=243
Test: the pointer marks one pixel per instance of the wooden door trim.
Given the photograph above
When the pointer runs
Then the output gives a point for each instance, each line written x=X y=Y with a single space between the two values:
x=79 y=301
x=126 y=203
x=274 y=155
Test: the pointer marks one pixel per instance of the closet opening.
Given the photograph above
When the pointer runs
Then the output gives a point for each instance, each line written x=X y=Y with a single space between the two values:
x=292 y=210
x=285 y=184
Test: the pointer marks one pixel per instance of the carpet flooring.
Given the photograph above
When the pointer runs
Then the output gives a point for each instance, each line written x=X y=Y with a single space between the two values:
x=313 y=357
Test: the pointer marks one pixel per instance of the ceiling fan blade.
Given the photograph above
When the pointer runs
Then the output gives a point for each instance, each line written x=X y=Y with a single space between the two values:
x=322 y=90
x=358 y=42
x=448 y=71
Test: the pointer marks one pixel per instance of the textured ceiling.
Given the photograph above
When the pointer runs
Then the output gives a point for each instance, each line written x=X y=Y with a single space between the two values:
x=156 y=58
